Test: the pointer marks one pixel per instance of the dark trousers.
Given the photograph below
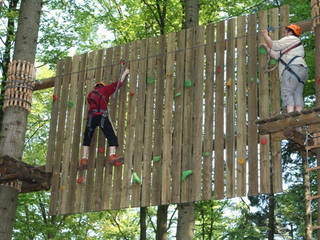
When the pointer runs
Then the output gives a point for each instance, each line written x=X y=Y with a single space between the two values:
x=107 y=130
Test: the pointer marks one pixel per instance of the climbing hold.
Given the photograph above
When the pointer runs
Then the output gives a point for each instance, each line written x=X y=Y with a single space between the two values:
x=117 y=163
x=218 y=69
x=135 y=178
x=187 y=83
x=207 y=154
x=252 y=79
x=70 y=104
x=229 y=82
x=318 y=80
x=156 y=158
x=262 y=50
x=273 y=62
x=177 y=94
x=263 y=141
x=101 y=149
x=62 y=188
x=122 y=62
x=241 y=161
x=132 y=94
x=170 y=74
x=149 y=80
x=54 y=97
x=80 y=180
x=185 y=174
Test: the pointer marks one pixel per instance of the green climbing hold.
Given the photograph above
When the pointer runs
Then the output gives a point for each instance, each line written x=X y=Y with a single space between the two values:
x=135 y=178
x=177 y=94
x=273 y=61
x=207 y=154
x=156 y=158
x=149 y=80
x=262 y=50
x=70 y=104
x=185 y=174
x=188 y=83
x=252 y=79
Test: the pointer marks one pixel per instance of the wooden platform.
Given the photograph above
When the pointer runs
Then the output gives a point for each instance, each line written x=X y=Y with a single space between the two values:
x=293 y=127
x=32 y=178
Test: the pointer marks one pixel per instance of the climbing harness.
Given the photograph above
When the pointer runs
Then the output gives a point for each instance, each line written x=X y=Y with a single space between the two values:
x=287 y=65
x=98 y=110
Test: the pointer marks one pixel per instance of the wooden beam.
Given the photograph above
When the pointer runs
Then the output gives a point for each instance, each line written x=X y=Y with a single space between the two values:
x=293 y=120
x=44 y=83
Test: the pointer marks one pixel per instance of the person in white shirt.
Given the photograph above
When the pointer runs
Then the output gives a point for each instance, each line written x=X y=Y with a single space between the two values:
x=293 y=70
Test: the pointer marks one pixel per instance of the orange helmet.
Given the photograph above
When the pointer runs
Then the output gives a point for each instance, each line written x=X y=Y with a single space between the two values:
x=295 y=28
x=99 y=83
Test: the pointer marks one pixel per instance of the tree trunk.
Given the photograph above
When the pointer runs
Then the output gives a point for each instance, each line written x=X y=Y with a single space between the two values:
x=185 y=227
x=317 y=74
x=162 y=217
x=6 y=56
x=143 y=226
x=185 y=221
x=271 y=217
x=191 y=9
x=15 y=119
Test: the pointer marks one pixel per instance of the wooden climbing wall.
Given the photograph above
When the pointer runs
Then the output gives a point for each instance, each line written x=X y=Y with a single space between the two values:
x=185 y=119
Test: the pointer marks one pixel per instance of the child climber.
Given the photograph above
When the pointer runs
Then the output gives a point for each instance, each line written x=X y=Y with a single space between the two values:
x=98 y=117
x=293 y=69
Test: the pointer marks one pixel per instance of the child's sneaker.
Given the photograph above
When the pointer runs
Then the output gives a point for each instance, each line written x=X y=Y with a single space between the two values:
x=83 y=164
x=115 y=160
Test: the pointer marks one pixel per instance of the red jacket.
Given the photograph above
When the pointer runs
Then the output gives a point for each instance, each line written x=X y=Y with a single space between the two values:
x=101 y=99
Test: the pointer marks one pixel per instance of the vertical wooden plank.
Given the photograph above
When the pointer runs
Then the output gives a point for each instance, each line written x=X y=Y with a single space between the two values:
x=219 y=114
x=158 y=124
x=81 y=187
x=167 y=125
x=92 y=150
x=209 y=103
x=148 y=129
x=107 y=182
x=186 y=163
x=264 y=111
x=55 y=195
x=275 y=103
x=54 y=118
x=197 y=115
x=241 y=102
x=66 y=165
x=178 y=118
x=101 y=157
x=120 y=130
x=54 y=136
x=72 y=200
x=137 y=165
x=230 y=88
x=252 y=105
x=131 y=121
x=114 y=116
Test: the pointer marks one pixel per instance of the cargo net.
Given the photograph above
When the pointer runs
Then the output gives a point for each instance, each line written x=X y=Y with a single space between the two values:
x=315 y=4
x=19 y=85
